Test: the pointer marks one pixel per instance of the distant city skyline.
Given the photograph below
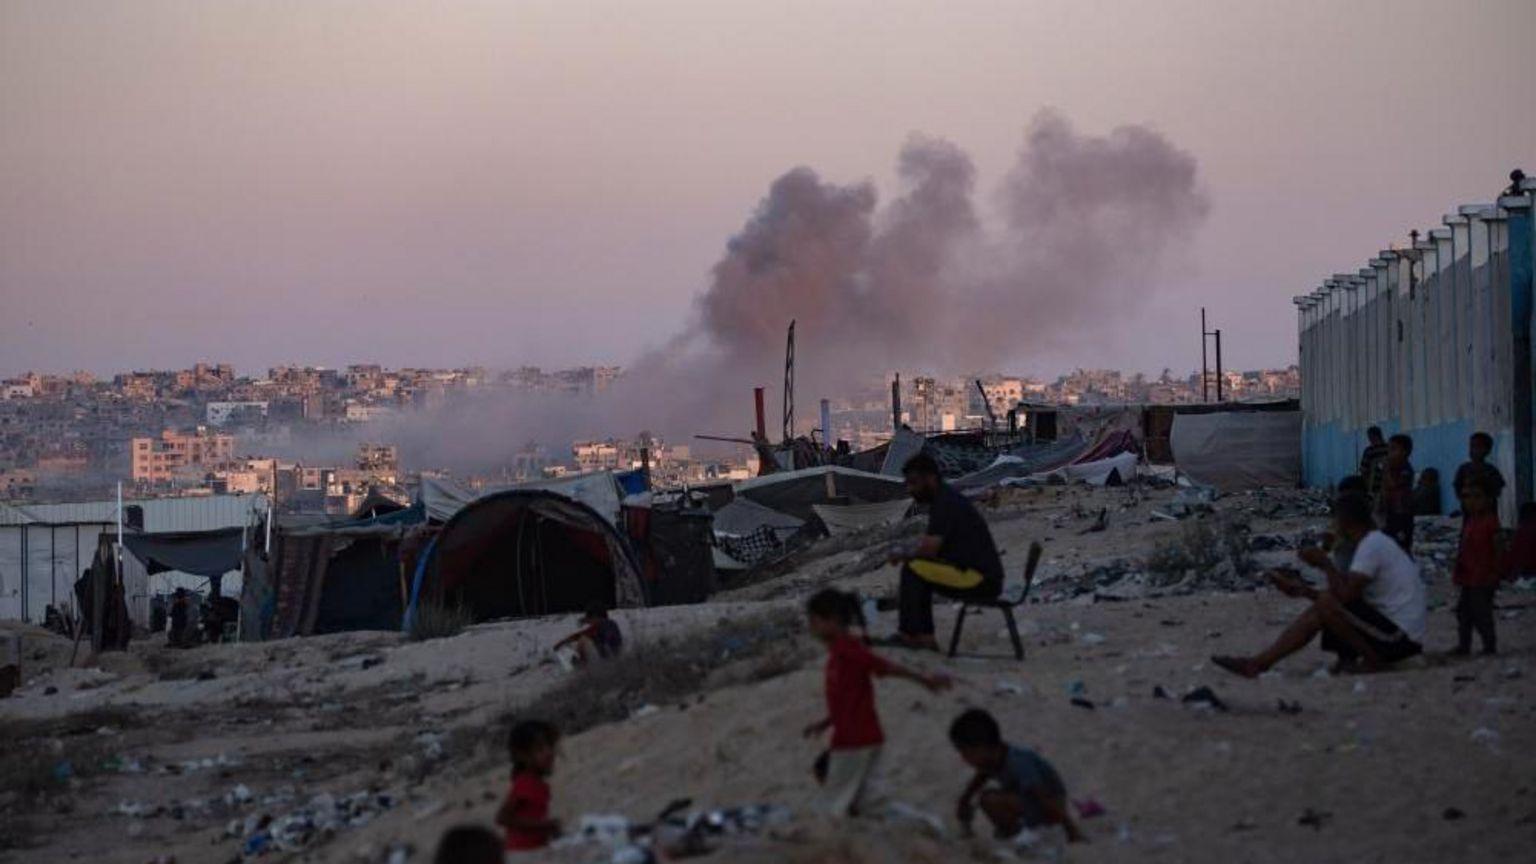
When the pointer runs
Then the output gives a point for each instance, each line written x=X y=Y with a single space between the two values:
x=551 y=183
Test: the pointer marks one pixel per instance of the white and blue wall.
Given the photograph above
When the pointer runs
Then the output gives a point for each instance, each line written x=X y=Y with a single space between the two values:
x=1433 y=341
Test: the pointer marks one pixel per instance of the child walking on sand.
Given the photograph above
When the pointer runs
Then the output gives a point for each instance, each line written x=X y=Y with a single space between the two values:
x=1479 y=566
x=525 y=812
x=850 y=787
x=1014 y=786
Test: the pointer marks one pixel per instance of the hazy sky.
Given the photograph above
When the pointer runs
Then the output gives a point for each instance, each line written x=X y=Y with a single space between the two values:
x=506 y=182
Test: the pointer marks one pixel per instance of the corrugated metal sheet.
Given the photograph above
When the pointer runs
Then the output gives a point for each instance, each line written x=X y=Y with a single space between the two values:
x=201 y=513
x=44 y=547
x=1432 y=341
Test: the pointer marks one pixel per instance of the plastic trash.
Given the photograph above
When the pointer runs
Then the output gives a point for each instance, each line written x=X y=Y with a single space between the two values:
x=1314 y=819
x=1089 y=808
x=1204 y=697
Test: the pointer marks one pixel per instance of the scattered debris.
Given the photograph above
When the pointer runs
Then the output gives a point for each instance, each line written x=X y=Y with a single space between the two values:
x=1204 y=697
x=1314 y=819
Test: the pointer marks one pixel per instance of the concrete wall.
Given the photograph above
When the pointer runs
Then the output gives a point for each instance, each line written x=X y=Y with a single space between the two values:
x=1432 y=341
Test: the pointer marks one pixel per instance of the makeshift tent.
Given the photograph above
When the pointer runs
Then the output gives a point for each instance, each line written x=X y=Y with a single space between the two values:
x=750 y=532
x=848 y=518
x=745 y=516
x=679 y=555
x=793 y=492
x=201 y=553
x=527 y=552
x=1023 y=461
x=1237 y=450
x=328 y=577
x=1104 y=472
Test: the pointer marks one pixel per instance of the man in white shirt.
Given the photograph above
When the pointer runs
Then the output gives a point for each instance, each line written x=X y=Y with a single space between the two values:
x=1371 y=616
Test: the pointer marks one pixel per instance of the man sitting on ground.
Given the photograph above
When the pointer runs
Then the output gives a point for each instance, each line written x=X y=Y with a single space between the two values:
x=1370 y=616
x=955 y=556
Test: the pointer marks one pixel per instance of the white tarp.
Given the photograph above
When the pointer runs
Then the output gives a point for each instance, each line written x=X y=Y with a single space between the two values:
x=841 y=519
x=1095 y=473
x=1236 y=450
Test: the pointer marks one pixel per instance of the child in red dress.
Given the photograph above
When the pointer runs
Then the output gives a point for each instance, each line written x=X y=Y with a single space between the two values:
x=525 y=812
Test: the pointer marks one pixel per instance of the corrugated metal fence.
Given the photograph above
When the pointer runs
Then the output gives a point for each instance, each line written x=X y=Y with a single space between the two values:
x=45 y=547
x=1433 y=341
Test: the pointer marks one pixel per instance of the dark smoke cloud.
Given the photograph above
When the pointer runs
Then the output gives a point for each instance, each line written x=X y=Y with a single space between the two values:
x=1066 y=251
x=1082 y=224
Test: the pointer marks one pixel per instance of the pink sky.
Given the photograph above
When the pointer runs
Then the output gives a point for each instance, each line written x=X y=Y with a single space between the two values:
x=508 y=182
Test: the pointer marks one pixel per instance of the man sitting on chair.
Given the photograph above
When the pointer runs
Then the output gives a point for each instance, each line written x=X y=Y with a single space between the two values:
x=955 y=556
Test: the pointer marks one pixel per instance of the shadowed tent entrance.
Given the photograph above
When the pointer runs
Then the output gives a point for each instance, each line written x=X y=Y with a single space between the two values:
x=528 y=552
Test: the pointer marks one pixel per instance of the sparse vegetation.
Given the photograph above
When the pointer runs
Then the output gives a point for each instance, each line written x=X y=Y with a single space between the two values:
x=740 y=651
x=1196 y=551
x=434 y=620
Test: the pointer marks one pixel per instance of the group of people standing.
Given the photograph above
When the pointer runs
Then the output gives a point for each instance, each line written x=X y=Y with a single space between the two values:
x=1371 y=611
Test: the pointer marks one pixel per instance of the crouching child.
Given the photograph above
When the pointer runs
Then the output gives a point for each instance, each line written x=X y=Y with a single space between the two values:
x=850 y=786
x=1014 y=787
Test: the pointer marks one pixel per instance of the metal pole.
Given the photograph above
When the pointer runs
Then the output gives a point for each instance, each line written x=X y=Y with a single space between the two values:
x=896 y=403
x=1205 y=378
x=1218 y=364
x=762 y=420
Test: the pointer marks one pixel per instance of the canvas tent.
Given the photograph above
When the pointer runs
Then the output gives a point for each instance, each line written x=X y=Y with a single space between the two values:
x=527 y=552
x=599 y=490
x=1236 y=450
x=328 y=577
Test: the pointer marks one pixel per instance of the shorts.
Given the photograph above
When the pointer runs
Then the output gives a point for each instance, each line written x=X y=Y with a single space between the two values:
x=1388 y=640
x=852 y=786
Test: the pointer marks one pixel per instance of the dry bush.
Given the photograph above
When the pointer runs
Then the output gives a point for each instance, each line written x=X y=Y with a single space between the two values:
x=433 y=620
x=671 y=669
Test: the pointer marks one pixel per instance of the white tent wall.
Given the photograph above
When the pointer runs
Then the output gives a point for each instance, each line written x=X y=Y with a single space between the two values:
x=1235 y=450
x=45 y=547
x=39 y=565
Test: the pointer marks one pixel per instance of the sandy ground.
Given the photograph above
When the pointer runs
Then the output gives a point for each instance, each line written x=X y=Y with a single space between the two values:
x=1430 y=762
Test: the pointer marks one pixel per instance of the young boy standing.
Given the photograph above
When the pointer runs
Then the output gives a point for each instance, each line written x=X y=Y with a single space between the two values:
x=525 y=812
x=1395 y=503
x=1478 y=468
x=1478 y=567
x=856 y=734
x=1014 y=786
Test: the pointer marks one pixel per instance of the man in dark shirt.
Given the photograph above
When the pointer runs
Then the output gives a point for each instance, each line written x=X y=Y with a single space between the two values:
x=955 y=556
x=1478 y=469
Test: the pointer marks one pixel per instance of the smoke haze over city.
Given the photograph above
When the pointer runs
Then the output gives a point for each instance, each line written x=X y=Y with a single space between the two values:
x=553 y=183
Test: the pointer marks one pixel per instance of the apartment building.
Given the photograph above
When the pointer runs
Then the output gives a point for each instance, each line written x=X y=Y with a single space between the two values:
x=161 y=460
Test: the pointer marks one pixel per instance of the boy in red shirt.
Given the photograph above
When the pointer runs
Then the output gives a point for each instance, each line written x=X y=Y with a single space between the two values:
x=856 y=734
x=525 y=812
x=1478 y=567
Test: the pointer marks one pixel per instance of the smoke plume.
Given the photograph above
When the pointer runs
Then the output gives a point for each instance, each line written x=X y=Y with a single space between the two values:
x=1065 y=249
x=1075 y=234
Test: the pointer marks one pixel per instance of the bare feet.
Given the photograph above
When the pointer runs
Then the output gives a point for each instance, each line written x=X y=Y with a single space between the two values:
x=1247 y=667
